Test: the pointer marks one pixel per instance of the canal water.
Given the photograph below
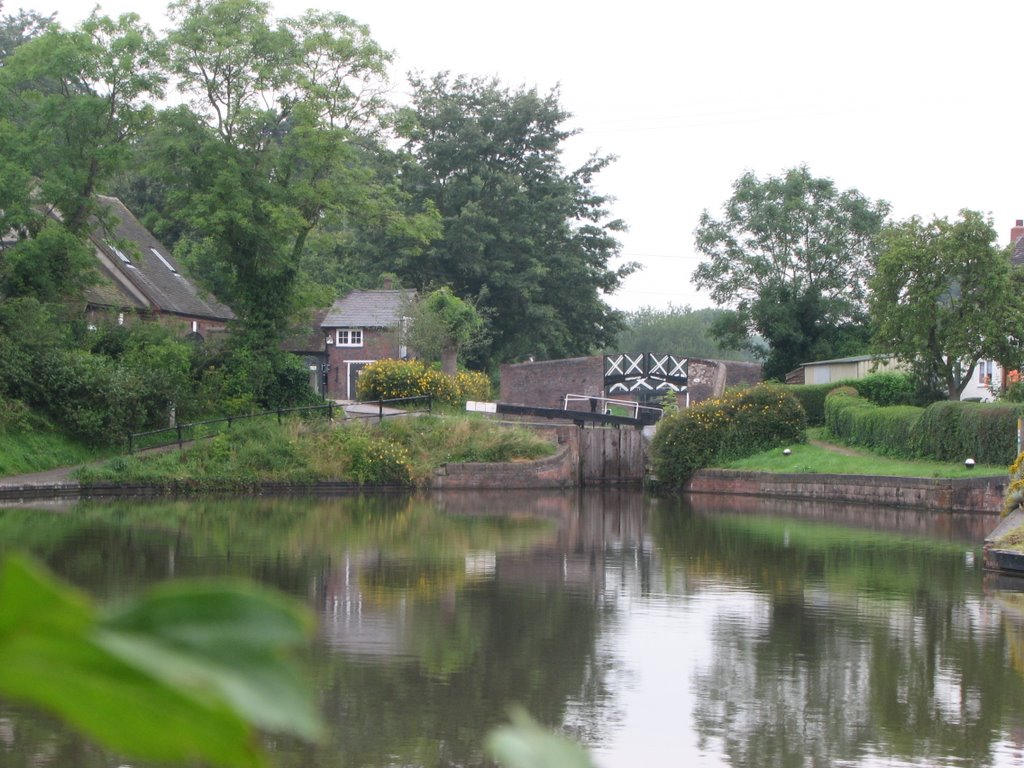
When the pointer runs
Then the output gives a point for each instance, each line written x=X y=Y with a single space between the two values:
x=682 y=632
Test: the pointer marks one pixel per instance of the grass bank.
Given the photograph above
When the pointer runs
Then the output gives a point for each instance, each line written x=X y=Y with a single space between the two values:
x=818 y=456
x=25 y=451
x=401 y=451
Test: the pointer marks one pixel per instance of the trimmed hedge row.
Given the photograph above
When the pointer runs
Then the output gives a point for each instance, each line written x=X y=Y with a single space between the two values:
x=857 y=421
x=739 y=424
x=944 y=431
x=879 y=388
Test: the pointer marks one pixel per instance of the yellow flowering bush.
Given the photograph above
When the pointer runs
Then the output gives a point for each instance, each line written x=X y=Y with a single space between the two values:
x=734 y=425
x=391 y=379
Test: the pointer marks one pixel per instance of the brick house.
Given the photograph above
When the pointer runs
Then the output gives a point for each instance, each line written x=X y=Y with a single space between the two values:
x=139 y=279
x=360 y=328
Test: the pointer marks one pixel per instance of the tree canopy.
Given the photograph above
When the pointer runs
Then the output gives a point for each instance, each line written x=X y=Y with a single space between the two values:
x=944 y=296
x=678 y=330
x=791 y=256
x=527 y=240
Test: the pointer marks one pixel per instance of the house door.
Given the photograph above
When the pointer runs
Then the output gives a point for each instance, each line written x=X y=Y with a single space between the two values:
x=354 y=370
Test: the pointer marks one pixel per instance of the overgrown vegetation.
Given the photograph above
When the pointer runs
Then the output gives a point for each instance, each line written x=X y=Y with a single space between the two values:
x=738 y=424
x=401 y=451
x=98 y=385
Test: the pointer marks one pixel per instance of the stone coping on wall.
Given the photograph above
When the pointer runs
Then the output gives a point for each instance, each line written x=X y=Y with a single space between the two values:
x=970 y=494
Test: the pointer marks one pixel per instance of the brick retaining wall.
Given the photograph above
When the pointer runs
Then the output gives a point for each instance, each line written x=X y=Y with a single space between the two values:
x=971 y=494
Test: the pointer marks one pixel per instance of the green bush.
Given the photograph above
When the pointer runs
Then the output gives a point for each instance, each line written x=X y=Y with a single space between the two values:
x=736 y=425
x=889 y=388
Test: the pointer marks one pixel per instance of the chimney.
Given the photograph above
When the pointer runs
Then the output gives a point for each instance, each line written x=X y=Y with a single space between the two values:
x=387 y=280
x=1017 y=232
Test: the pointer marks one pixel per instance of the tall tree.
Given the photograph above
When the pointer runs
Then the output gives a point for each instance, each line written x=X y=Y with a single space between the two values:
x=529 y=241
x=791 y=256
x=74 y=100
x=270 y=149
x=944 y=296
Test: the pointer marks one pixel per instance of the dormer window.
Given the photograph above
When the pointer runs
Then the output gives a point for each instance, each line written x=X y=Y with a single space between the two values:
x=349 y=337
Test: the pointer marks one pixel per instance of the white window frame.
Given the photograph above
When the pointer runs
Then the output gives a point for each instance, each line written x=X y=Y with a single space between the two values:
x=353 y=337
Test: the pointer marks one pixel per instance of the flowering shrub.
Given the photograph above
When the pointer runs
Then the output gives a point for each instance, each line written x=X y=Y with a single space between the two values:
x=735 y=425
x=390 y=379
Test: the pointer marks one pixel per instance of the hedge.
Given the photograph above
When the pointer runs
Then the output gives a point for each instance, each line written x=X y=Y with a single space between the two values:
x=944 y=431
x=736 y=425
x=954 y=431
x=857 y=421
x=884 y=389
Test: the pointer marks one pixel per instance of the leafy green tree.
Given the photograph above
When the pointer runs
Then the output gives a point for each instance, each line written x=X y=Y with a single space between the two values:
x=73 y=100
x=442 y=325
x=269 y=150
x=791 y=256
x=21 y=27
x=527 y=240
x=944 y=297
x=679 y=330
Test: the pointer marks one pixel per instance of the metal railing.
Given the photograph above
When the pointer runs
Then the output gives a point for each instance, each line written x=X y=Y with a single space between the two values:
x=182 y=433
x=648 y=412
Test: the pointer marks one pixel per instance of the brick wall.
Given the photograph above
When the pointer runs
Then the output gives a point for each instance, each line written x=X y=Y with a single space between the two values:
x=378 y=344
x=544 y=384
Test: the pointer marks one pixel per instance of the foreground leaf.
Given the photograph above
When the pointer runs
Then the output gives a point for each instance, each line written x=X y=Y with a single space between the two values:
x=525 y=744
x=138 y=686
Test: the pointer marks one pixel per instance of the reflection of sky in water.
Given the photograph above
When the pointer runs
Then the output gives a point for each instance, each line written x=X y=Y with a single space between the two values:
x=671 y=645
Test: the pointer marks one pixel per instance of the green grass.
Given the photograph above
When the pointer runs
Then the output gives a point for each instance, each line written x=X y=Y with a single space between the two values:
x=814 y=459
x=27 y=451
x=402 y=451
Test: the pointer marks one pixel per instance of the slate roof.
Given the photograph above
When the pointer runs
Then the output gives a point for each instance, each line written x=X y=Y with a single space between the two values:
x=141 y=273
x=308 y=337
x=368 y=309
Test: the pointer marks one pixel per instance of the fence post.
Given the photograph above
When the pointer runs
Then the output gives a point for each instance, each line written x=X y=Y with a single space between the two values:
x=330 y=410
x=131 y=444
x=430 y=403
x=380 y=410
x=181 y=442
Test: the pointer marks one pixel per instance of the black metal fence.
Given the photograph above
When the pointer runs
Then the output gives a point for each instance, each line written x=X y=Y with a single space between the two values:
x=182 y=433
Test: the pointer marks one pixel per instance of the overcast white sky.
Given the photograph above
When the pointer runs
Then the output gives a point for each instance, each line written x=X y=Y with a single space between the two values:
x=918 y=103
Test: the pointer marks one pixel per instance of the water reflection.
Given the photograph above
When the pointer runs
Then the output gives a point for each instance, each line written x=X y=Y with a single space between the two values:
x=659 y=632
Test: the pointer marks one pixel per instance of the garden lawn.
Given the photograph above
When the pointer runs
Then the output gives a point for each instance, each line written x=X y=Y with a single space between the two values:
x=818 y=457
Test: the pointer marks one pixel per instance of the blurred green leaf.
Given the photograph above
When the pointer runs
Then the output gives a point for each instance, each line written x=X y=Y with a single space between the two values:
x=184 y=674
x=525 y=744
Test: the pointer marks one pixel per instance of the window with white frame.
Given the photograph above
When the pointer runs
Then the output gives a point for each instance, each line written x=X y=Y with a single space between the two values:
x=985 y=371
x=350 y=337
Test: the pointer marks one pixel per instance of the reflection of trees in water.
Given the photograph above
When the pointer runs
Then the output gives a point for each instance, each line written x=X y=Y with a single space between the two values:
x=454 y=648
x=843 y=645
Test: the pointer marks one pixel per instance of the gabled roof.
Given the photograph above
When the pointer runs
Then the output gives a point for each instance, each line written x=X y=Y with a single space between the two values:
x=369 y=309
x=144 y=275
x=308 y=336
